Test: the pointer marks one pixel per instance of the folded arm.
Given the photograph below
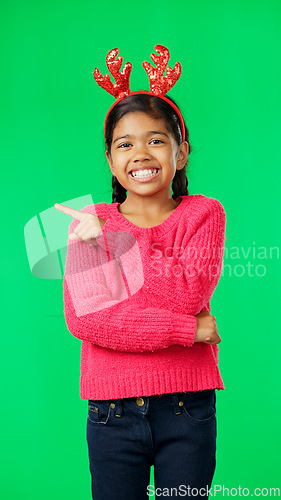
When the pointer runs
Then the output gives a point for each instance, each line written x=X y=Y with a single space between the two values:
x=98 y=306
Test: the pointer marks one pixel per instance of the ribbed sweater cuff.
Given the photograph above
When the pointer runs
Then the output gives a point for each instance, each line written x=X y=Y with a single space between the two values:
x=185 y=330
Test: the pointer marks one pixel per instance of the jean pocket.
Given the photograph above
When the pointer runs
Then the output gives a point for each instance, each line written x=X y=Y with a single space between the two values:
x=98 y=411
x=200 y=406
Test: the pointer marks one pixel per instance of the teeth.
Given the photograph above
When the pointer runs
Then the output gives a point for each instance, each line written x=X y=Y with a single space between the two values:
x=143 y=173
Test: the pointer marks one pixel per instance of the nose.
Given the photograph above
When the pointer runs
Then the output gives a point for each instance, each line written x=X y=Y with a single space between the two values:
x=141 y=154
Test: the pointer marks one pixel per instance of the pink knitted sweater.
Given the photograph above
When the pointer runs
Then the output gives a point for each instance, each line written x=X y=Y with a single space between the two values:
x=133 y=298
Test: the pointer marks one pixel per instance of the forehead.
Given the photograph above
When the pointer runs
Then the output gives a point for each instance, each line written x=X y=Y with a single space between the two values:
x=138 y=123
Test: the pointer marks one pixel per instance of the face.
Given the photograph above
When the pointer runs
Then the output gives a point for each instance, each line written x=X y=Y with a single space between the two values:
x=143 y=143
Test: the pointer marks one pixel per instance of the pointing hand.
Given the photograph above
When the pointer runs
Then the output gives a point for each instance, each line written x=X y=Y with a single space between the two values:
x=90 y=225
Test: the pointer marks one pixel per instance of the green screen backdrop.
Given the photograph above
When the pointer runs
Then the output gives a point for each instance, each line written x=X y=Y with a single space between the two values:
x=52 y=151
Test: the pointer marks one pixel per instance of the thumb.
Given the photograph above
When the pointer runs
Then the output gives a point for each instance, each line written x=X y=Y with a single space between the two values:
x=74 y=236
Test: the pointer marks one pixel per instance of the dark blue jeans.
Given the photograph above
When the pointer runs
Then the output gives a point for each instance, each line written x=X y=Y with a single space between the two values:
x=175 y=432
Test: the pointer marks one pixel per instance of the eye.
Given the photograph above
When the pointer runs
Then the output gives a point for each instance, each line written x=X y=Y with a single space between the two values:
x=124 y=144
x=157 y=140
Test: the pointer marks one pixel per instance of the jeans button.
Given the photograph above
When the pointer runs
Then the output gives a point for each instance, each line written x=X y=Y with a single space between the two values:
x=140 y=401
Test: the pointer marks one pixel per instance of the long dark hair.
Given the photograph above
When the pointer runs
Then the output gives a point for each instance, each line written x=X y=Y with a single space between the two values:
x=156 y=108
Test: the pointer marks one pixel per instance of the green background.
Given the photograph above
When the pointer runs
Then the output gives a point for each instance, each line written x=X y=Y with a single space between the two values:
x=52 y=150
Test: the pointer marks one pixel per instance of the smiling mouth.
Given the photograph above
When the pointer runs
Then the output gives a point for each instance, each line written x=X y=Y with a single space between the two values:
x=143 y=173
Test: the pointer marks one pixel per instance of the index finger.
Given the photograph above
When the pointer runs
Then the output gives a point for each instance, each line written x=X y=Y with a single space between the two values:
x=76 y=214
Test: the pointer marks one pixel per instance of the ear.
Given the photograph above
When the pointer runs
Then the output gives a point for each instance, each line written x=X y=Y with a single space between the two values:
x=110 y=162
x=182 y=155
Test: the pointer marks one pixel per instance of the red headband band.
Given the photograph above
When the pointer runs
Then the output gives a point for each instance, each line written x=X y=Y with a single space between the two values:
x=159 y=84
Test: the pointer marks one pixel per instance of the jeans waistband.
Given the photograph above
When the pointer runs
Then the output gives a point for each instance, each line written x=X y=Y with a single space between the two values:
x=142 y=404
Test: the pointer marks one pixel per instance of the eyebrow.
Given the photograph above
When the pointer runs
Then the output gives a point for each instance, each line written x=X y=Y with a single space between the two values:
x=148 y=133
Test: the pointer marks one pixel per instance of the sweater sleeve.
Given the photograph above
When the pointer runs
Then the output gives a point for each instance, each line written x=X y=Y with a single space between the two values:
x=124 y=329
x=97 y=307
x=200 y=262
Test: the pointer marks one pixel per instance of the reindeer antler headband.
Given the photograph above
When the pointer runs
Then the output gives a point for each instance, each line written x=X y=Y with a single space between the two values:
x=159 y=84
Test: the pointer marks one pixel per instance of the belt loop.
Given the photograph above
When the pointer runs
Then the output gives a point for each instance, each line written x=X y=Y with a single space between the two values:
x=177 y=407
x=118 y=408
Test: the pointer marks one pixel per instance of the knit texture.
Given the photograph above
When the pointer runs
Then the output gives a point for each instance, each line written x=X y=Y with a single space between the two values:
x=133 y=300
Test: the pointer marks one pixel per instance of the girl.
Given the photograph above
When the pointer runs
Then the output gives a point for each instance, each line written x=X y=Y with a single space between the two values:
x=139 y=276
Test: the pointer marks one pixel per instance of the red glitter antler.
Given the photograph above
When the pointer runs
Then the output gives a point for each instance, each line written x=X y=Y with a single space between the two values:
x=121 y=87
x=160 y=84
